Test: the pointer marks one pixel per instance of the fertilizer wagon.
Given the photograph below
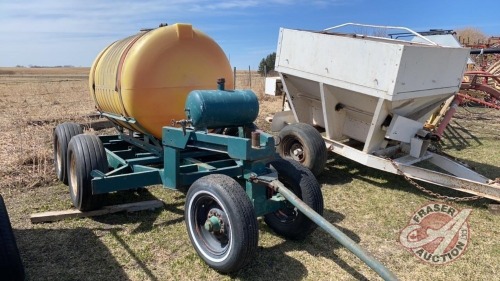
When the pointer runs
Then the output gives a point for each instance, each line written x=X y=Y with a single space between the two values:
x=178 y=127
x=368 y=98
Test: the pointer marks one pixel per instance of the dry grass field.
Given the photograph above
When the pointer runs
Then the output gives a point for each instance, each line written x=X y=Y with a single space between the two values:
x=370 y=206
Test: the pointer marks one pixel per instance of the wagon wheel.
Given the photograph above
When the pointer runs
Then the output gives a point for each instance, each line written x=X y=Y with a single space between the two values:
x=85 y=154
x=304 y=144
x=288 y=221
x=11 y=266
x=62 y=135
x=221 y=222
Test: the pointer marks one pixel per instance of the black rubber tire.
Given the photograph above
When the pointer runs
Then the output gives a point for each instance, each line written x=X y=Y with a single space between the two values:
x=290 y=222
x=85 y=154
x=224 y=196
x=61 y=136
x=309 y=143
x=11 y=265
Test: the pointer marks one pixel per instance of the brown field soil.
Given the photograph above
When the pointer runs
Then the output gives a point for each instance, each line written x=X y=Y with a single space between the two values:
x=370 y=206
x=44 y=71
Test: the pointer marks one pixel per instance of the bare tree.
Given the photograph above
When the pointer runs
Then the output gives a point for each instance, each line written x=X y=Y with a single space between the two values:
x=471 y=36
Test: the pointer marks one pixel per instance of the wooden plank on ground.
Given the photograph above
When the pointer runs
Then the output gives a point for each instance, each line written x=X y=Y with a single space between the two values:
x=129 y=207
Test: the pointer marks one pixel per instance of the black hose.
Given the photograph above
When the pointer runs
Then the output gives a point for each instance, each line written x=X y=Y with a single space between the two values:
x=485 y=51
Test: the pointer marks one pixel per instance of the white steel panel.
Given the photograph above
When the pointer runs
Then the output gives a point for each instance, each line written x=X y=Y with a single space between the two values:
x=281 y=119
x=367 y=64
x=402 y=129
x=429 y=68
x=273 y=86
x=355 y=129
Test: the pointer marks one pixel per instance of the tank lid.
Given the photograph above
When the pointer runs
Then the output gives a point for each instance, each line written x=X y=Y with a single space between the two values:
x=184 y=31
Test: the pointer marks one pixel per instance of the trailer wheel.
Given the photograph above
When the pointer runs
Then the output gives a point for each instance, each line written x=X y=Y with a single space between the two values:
x=303 y=143
x=289 y=222
x=221 y=222
x=85 y=154
x=62 y=135
x=11 y=266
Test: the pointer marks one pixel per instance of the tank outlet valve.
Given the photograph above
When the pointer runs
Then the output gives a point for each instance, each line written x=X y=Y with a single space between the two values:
x=184 y=123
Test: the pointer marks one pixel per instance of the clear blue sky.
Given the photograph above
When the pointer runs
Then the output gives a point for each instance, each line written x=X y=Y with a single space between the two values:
x=71 y=32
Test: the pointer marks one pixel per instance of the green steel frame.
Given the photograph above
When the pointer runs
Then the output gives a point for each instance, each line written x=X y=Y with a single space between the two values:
x=188 y=155
x=183 y=157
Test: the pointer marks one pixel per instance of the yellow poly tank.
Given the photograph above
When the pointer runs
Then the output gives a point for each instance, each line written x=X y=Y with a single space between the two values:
x=145 y=78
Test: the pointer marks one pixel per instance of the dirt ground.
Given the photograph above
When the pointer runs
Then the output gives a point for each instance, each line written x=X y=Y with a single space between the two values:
x=370 y=206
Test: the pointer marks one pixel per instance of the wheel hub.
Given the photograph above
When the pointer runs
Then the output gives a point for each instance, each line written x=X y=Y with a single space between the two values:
x=214 y=223
x=297 y=152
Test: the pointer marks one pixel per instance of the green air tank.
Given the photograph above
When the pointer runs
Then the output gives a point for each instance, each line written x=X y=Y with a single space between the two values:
x=209 y=109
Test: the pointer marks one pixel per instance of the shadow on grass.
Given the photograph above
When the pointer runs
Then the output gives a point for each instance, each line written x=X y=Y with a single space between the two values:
x=78 y=254
x=139 y=262
x=66 y=254
x=145 y=219
x=269 y=263
x=273 y=263
x=459 y=137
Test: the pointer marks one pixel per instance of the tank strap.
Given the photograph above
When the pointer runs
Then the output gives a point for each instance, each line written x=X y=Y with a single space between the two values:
x=118 y=84
x=92 y=75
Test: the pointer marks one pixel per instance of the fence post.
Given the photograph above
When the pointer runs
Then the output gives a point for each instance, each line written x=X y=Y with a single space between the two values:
x=234 y=78
x=249 y=77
